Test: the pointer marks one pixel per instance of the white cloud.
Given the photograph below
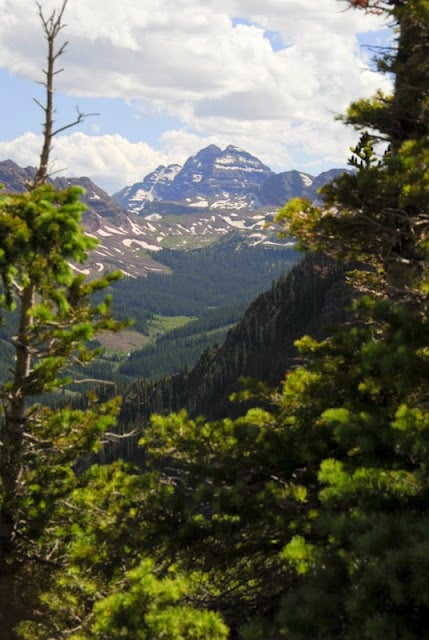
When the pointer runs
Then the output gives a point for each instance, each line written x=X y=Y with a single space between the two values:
x=111 y=161
x=186 y=59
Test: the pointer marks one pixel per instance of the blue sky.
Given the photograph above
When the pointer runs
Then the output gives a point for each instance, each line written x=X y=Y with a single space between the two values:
x=169 y=77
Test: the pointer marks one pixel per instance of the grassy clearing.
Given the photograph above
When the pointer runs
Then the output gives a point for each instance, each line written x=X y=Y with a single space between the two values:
x=163 y=324
x=128 y=340
x=123 y=342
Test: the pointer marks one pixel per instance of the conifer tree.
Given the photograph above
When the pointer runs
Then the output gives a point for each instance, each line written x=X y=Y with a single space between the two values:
x=72 y=562
x=40 y=237
x=364 y=572
x=308 y=519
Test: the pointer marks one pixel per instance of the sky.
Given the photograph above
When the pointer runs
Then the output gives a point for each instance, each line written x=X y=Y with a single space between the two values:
x=170 y=77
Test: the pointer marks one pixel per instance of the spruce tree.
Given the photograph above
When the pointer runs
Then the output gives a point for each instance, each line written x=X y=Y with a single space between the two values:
x=308 y=518
x=72 y=560
x=41 y=236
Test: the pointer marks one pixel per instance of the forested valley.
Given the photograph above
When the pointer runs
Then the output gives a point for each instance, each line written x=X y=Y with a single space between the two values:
x=278 y=487
x=180 y=315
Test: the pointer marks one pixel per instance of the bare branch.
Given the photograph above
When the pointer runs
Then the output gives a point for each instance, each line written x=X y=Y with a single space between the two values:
x=110 y=437
x=54 y=21
x=39 y=104
x=52 y=25
x=80 y=118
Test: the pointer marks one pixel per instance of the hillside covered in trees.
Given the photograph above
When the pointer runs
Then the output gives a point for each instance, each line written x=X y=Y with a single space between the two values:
x=311 y=298
x=304 y=515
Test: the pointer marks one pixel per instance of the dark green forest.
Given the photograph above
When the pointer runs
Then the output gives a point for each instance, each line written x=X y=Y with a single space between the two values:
x=212 y=286
x=202 y=279
x=311 y=298
x=298 y=511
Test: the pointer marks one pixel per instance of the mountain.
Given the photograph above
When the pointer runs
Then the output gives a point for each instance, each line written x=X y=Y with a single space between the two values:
x=281 y=187
x=215 y=193
x=155 y=186
x=120 y=235
x=216 y=180
x=212 y=178
x=13 y=177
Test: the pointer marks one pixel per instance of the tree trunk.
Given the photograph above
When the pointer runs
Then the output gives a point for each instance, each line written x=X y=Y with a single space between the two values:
x=11 y=609
x=409 y=108
x=12 y=431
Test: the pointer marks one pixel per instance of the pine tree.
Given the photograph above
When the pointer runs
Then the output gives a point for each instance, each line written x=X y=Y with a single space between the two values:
x=72 y=561
x=308 y=518
x=40 y=237
x=364 y=572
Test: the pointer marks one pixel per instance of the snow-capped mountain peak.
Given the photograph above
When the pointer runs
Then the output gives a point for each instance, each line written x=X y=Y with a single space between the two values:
x=210 y=175
x=215 y=193
x=153 y=187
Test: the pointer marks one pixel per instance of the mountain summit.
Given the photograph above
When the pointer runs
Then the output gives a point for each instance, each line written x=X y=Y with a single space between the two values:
x=230 y=178
x=215 y=179
x=215 y=193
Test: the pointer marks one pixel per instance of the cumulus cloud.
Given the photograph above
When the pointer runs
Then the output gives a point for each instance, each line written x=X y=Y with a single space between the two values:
x=267 y=75
x=111 y=161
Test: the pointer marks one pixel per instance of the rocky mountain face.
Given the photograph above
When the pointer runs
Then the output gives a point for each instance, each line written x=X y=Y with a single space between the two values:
x=121 y=238
x=214 y=193
x=155 y=186
x=213 y=179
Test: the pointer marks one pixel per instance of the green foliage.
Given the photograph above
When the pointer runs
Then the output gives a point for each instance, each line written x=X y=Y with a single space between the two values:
x=311 y=297
x=150 y=608
x=41 y=229
x=72 y=534
x=104 y=586
x=212 y=278
x=55 y=318
x=307 y=517
x=297 y=514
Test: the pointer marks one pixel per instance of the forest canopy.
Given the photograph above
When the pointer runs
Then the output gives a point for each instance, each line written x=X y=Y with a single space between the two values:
x=306 y=517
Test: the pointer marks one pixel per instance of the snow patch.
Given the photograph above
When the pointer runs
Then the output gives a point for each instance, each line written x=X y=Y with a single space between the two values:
x=135 y=228
x=306 y=179
x=199 y=203
x=117 y=230
x=142 y=194
x=145 y=245
x=237 y=224
x=229 y=204
x=229 y=164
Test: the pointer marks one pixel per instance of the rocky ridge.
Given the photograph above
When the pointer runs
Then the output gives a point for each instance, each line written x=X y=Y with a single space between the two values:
x=231 y=179
x=212 y=195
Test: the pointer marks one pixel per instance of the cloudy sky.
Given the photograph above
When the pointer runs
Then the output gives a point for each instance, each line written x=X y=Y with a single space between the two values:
x=169 y=77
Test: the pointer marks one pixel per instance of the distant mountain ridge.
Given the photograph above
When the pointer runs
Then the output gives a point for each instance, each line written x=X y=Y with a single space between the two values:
x=215 y=193
x=219 y=179
x=121 y=238
x=230 y=177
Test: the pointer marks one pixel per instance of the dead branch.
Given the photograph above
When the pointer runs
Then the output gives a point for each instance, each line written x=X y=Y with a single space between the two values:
x=52 y=25
x=79 y=118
